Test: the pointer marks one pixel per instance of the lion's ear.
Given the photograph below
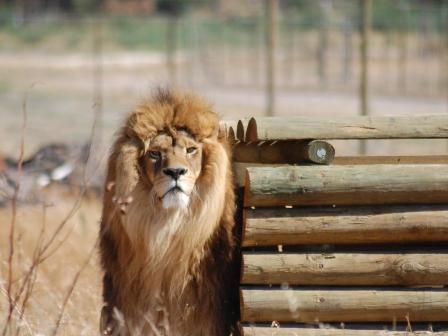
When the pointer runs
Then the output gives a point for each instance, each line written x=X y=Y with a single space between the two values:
x=126 y=168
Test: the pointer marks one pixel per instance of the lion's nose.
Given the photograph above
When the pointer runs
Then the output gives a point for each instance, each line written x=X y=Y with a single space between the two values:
x=175 y=172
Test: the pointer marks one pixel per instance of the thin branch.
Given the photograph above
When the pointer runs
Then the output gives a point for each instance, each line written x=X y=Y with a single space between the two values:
x=31 y=279
x=72 y=287
x=11 y=303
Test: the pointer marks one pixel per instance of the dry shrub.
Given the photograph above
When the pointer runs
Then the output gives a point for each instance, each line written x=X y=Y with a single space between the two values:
x=61 y=286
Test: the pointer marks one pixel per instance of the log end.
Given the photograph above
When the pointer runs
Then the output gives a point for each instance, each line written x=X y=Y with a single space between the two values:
x=231 y=136
x=240 y=131
x=320 y=152
x=251 y=132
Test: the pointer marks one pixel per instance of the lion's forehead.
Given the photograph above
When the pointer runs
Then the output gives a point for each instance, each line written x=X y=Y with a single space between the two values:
x=162 y=141
x=165 y=141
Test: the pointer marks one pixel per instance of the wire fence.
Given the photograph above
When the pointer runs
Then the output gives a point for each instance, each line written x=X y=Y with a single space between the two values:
x=112 y=61
x=407 y=55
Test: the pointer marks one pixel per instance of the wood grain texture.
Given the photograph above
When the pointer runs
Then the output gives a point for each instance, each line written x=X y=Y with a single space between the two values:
x=423 y=159
x=346 y=269
x=307 y=305
x=239 y=170
x=225 y=125
x=343 y=185
x=266 y=331
x=353 y=127
x=315 y=151
x=231 y=136
x=345 y=225
x=318 y=151
x=241 y=127
x=240 y=167
x=240 y=131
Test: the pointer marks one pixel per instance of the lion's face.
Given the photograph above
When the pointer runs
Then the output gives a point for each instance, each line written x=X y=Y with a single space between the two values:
x=172 y=164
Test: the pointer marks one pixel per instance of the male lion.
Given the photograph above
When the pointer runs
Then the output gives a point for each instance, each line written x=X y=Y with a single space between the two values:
x=166 y=238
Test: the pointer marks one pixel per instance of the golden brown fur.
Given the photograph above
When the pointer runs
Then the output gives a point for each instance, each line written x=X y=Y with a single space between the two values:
x=167 y=269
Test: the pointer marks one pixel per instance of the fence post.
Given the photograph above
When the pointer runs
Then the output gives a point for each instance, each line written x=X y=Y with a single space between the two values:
x=364 y=73
x=322 y=50
x=257 y=39
x=98 y=77
x=444 y=53
x=403 y=47
x=443 y=82
x=271 y=22
x=347 y=61
x=171 y=46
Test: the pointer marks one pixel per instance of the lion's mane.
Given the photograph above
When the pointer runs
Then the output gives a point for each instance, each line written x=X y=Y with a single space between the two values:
x=169 y=272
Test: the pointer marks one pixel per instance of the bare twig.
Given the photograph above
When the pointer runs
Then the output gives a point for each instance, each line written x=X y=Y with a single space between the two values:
x=14 y=200
x=72 y=287
x=31 y=279
x=43 y=250
x=30 y=332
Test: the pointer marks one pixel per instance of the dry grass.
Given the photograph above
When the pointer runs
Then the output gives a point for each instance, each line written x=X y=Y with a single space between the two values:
x=49 y=278
x=55 y=275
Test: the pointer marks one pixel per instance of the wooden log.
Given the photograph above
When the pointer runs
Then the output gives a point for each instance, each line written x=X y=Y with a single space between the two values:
x=271 y=22
x=342 y=225
x=231 y=135
x=315 y=151
x=251 y=126
x=240 y=131
x=364 y=66
x=240 y=168
x=318 y=151
x=353 y=127
x=424 y=159
x=308 y=305
x=241 y=127
x=267 y=331
x=412 y=269
x=343 y=185
x=226 y=125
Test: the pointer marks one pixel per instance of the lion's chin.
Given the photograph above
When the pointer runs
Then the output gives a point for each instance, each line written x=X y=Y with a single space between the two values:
x=175 y=200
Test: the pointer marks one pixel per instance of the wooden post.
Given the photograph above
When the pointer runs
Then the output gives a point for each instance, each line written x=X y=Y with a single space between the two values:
x=444 y=69
x=364 y=73
x=192 y=71
x=329 y=305
x=388 y=40
x=271 y=30
x=171 y=46
x=21 y=11
x=348 y=53
x=346 y=185
x=98 y=78
x=352 y=127
x=315 y=151
x=258 y=60
x=239 y=168
x=345 y=225
x=251 y=330
x=336 y=269
x=322 y=50
x=403 y=47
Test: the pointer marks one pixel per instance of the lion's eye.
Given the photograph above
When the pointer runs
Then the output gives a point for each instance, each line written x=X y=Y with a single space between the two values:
x=191 y=150
x=155 y=155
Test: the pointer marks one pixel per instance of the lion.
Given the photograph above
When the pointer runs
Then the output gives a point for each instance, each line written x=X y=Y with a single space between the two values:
x=167 y=239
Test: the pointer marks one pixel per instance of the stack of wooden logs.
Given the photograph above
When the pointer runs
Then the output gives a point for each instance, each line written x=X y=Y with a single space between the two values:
x=344 y=240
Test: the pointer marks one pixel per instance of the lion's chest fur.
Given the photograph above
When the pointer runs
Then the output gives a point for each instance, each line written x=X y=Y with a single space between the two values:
x=164 y=275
